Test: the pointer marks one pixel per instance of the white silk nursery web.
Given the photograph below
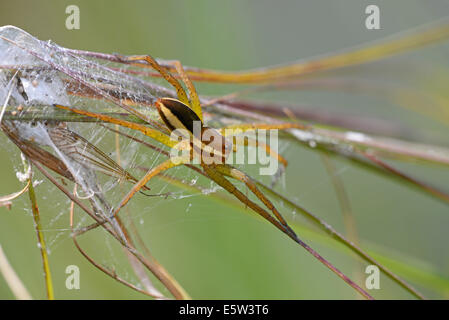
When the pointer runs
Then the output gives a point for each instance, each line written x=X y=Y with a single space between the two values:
x=35 y=74
x=104 y=165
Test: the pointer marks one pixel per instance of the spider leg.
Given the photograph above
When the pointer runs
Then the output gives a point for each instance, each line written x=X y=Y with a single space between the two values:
x=218 y=177
x=255 y=126
x=216 y=173
x=156 y=135
x=232 y=130
x=182 y=96
x=167 y=164
x=269 y=151
x=195 y=103
x=243 y=177
x=256 y=143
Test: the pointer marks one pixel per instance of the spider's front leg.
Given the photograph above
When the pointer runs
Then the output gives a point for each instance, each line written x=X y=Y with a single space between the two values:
x=194 y=101
x=150 y=61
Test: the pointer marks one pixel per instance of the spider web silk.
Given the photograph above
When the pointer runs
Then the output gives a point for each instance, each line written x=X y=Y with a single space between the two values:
x=49 y=74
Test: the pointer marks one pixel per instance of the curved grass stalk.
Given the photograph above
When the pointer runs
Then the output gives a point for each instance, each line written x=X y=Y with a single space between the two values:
x=392 y=45
x=6 y=201
x=355 y=56
x=41 y=241
x=12 y=279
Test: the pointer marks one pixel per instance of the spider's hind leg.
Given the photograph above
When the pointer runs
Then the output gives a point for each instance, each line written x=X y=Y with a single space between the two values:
x=241 y=176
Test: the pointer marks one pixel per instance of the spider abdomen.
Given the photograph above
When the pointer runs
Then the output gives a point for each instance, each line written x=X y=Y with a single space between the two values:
x=177 y=115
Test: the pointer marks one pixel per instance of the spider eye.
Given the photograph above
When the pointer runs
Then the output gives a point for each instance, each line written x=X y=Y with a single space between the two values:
x=176 y=115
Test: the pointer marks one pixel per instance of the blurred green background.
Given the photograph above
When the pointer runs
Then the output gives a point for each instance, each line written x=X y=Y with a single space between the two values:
x=212 y=250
